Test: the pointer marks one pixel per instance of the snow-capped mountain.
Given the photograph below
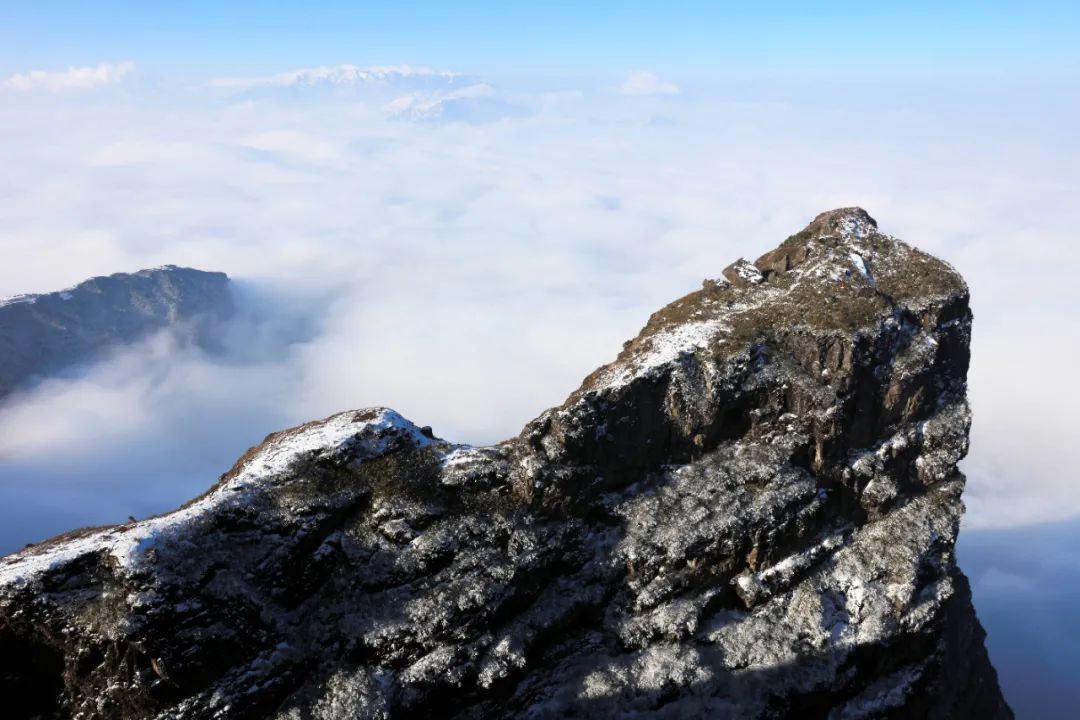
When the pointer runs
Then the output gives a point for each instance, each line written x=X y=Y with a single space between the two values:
x=400 y=91
x=341 y=76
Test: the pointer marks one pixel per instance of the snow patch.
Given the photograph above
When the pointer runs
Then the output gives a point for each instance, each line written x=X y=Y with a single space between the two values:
x=667 y=346
x=860 y=265
x=19 y=300
x=857 y=226
x=363 y=435
x=747 y=271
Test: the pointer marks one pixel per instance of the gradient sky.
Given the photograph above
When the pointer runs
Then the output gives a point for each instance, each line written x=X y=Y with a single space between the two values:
x=989 y=40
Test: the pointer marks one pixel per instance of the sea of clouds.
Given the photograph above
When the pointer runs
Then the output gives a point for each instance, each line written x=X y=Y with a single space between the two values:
x=466 y=251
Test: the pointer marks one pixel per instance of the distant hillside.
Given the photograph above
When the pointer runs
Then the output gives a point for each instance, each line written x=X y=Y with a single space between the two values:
x=43 y=335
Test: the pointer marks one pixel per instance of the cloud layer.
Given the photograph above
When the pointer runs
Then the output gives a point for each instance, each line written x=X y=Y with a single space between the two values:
x=470 y=269
x=74 y=78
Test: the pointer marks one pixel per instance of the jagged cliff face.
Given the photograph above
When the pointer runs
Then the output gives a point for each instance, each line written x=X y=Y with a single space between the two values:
x=751 y=513
x=42 y=335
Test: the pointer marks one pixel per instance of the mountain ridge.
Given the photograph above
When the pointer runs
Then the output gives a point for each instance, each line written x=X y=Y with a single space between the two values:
x=750 y=512
x=45 y=334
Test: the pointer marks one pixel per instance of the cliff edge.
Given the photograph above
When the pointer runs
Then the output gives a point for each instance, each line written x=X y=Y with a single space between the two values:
x=750 y=513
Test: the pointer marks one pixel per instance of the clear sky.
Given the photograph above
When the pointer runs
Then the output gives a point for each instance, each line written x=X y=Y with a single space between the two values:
x=985 y=39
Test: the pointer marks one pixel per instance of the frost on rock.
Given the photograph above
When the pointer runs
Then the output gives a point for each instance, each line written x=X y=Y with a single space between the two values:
x=743 y=272
x=356 y=436
x=751 y=512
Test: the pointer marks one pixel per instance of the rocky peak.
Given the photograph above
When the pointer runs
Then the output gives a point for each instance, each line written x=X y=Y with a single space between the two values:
x=839 y=302
x=845 y=224
x=836 y=230
x=751 y=512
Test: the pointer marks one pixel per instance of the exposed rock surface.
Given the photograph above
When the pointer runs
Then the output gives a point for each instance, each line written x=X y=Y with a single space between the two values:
x=750 y=513
x=42 y=335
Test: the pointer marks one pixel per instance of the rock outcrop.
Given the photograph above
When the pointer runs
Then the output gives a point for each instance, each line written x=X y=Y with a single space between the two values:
x=43 y=335
x=750 y=513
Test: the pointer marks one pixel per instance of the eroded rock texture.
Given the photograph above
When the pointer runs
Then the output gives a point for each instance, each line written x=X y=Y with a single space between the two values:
x=47 y=334
x=750 y=513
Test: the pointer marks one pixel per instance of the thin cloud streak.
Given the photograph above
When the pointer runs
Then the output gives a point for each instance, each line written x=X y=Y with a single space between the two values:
x=74 y=78
x=642 y=82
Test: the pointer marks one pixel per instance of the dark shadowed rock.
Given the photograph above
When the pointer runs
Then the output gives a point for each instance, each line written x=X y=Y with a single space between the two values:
x=750 y=513
x=43 y=335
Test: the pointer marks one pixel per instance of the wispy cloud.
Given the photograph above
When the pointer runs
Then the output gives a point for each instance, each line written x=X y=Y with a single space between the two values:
x=641 y=82
x=293 y=144
x=74 y=78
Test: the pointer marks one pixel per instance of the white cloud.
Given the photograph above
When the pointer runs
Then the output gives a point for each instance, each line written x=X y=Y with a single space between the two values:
x=641 y=82
x=292 y=143
x=480 y=271
x=144 y=151
x=74 y=78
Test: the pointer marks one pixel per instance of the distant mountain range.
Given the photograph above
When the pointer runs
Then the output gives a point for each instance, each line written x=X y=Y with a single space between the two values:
x=49 y=334
x=351 y=75
x=404 y=91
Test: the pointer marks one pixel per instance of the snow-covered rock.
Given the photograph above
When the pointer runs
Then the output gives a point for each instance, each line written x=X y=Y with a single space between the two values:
x=750 y=513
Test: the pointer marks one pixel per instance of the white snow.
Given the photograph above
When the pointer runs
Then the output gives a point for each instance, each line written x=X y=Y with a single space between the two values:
x=777 y=576
x=461 y=455
x=667 y=346
x=748 y=271
x=857 y=227
x=365 y=434
x=19 y=300
x=860 y=265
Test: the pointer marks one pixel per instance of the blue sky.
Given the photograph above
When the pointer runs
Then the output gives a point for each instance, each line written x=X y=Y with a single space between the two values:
x=1000 y=40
